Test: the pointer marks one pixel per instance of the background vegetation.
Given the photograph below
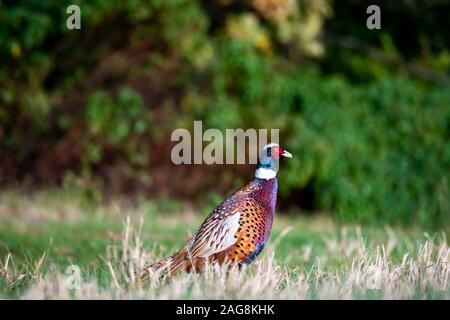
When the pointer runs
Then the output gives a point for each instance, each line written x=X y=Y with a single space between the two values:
x=366 y=113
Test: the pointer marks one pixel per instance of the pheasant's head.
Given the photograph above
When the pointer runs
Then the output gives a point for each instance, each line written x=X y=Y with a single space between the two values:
x=269 y=158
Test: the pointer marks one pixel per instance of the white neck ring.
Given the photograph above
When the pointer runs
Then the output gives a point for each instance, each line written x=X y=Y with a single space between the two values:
x=265 y=173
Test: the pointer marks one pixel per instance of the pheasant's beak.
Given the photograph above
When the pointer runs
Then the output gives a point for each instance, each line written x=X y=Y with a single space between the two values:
x=286 y=154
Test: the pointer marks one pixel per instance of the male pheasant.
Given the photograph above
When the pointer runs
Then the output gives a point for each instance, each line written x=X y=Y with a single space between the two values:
x=237 y=230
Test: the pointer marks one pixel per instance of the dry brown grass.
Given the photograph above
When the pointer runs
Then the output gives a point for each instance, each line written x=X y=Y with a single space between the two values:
x=422 y=273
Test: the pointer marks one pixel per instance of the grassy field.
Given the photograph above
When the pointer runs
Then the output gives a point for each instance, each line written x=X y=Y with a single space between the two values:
x=56 y=245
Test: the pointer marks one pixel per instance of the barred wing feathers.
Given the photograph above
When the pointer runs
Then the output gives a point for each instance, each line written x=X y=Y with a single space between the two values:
x=217 y=232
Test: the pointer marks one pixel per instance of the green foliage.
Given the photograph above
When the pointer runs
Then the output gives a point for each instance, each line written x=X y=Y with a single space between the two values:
x=374 y=153
x=115 y=122
x=370 y=136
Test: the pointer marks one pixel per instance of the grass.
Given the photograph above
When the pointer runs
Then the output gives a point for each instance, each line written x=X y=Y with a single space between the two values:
x=54 y=245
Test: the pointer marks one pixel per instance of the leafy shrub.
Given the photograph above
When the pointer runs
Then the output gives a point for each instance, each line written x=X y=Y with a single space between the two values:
x=96 y=103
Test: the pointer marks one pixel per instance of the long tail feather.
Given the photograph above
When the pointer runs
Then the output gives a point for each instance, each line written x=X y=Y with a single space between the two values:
x=168 y=265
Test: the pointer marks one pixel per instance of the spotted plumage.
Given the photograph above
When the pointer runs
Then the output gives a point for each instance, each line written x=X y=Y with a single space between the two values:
x=238 y=229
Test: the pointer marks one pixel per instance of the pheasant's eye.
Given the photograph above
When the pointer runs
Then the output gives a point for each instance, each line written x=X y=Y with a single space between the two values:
x=276 y=151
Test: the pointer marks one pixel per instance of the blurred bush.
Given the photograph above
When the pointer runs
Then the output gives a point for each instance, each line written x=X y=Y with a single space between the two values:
x=367 y=117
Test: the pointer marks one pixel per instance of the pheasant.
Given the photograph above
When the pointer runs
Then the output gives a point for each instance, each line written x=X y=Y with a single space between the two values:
x=238 y=229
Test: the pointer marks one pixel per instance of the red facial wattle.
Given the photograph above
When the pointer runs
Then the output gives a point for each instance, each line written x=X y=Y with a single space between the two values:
x=276 y=151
